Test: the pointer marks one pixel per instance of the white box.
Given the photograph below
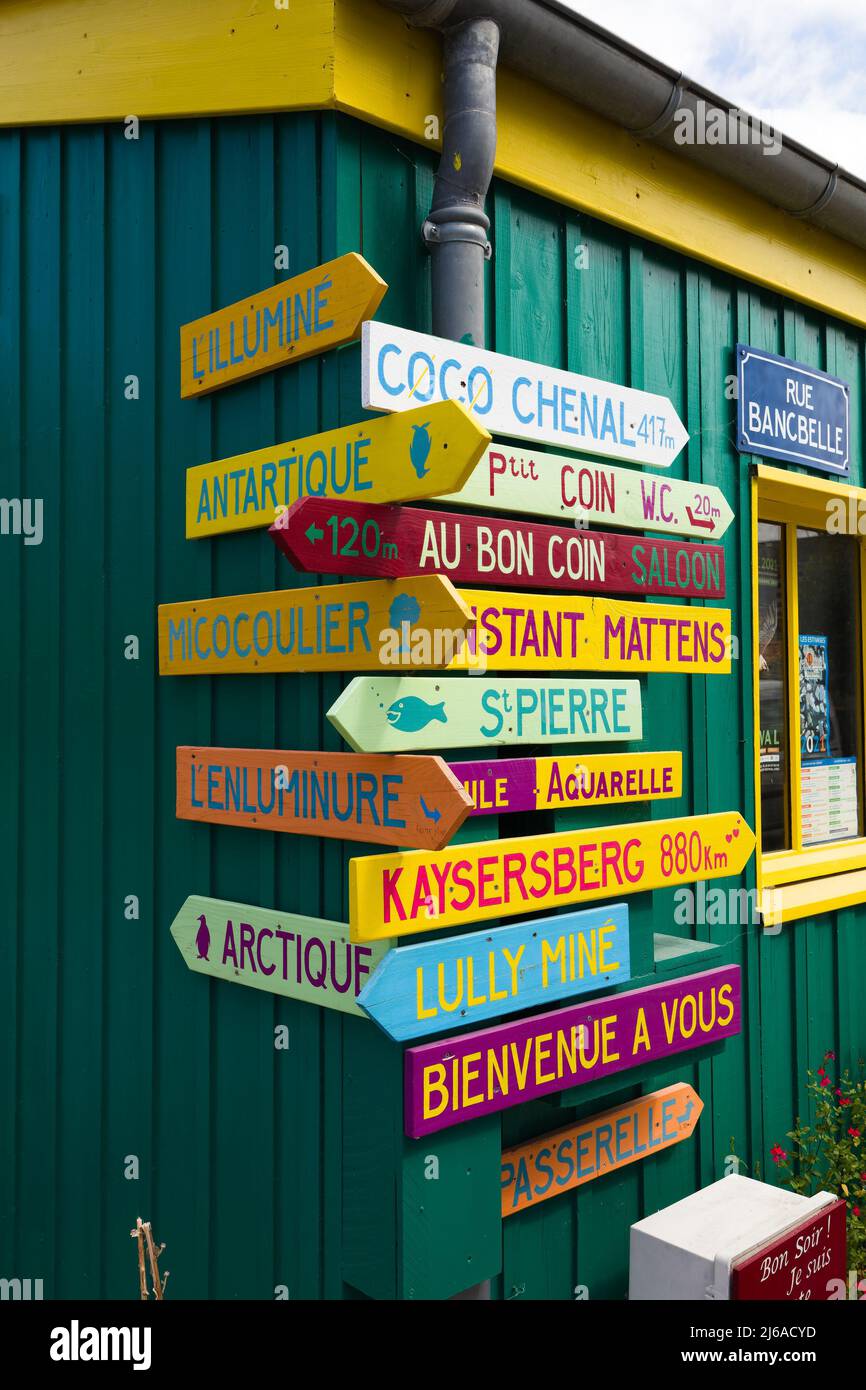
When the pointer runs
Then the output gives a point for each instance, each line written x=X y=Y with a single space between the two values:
x=685 y=1251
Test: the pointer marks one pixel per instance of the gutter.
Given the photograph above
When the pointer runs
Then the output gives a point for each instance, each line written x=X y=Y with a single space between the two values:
x=565 y=53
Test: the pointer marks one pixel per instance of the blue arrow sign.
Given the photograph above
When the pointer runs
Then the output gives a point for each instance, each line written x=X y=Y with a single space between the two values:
x=437 y=985
x=787 y=410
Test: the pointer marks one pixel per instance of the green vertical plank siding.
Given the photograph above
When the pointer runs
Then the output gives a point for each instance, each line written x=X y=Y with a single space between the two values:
x=266 y=1169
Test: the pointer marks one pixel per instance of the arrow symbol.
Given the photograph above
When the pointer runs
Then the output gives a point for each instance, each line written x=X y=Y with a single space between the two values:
x=313 y=534
x=704 y=524
x=433 y=815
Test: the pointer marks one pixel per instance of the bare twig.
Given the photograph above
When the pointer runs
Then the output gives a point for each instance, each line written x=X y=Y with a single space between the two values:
x=138 y=1234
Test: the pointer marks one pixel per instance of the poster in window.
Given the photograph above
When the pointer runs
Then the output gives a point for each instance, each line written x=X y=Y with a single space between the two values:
x=828 y=786
x=814 y=697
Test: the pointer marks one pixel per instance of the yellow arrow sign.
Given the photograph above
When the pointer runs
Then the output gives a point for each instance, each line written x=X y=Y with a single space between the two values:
x=336 y=627
x=307 y=314
x=397 y=458
x=578 y=632
x=402 y=894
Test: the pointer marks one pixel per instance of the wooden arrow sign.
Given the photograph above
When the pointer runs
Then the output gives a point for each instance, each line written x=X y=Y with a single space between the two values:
x=390 y=714
x=523 y=400
x=390 y=801
x=450 y=1080
x=546 y=632
x=498 y=786
x=587 y=1149
x=297 y=957
x=339 y=627
x=324 y=536
x=401 y=894
x=296 y=318
x=437 y=985
x=394 y=459
x=554 y=485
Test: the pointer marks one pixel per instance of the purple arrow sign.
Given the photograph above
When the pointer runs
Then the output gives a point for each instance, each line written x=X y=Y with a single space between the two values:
x=500 y=785
x=457 y=1079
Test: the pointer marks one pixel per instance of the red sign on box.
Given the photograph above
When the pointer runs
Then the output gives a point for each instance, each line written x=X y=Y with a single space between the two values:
x=799 y=1264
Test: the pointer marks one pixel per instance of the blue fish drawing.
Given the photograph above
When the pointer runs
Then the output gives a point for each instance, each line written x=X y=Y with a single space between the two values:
x=419 y=449
x=202 y=939
x=411 y=714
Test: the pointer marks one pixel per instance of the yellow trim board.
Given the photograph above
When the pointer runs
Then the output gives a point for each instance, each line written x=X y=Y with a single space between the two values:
x=99 y=60
x=103 y=60
x=812 y=862
x=797 y=900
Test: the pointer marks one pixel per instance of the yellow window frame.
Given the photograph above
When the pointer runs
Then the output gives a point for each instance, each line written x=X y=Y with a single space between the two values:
x=804 y=880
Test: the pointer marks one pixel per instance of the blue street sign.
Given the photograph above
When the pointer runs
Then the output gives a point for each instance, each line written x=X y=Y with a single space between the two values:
x=789 y=411
x=458 y=980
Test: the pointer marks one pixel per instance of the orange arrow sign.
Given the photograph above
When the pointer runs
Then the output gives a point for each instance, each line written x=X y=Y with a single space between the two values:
x=401 y=800
x=587 y=1149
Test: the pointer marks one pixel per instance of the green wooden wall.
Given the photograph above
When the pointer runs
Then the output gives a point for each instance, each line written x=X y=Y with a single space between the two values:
x=261 y=1168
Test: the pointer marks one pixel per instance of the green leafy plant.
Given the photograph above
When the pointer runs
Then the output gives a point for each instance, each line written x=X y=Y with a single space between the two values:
x=830 y=1155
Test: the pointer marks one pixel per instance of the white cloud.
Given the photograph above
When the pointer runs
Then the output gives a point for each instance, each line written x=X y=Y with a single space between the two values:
x=795 y=63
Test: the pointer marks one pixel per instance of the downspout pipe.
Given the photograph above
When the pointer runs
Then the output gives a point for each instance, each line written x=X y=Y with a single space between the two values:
x=456 y=229
x=546 y=41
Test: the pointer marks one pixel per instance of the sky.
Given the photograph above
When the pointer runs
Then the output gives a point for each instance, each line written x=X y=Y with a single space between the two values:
x=799 y=64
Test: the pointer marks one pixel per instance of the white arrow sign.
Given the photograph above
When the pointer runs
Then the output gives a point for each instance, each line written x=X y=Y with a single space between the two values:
x=554 y=485
x=524 y=400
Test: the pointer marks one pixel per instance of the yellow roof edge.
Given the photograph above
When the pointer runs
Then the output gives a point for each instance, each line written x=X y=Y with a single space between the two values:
x=65 y=61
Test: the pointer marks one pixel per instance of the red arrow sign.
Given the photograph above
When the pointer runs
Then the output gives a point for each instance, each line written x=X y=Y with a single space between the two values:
x=705 y=523
x=326 y=536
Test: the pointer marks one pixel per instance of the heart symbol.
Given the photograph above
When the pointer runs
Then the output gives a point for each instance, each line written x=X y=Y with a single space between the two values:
x=728 y=838
x=736 y=832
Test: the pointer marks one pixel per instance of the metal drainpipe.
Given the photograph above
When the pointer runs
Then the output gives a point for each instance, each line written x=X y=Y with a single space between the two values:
x=456 y=229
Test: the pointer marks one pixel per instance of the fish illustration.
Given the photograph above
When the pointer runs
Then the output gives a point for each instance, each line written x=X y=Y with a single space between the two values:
x=202 y=939
x=419 y=449
x=411 y=714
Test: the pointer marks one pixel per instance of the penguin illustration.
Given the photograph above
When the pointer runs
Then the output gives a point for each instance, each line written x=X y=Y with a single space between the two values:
x=202 y=939
x=419 y=449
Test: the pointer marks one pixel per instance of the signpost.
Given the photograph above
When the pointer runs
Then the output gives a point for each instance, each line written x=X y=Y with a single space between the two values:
x=523 y=400
x=298 y=957
x=296 y=318
x=393 y=459
x=393 y=801
x=587 y=1149
x=498 y=786
x=437 y=985
x=556 y=485
x=392 y=714
x=545 y=632
x=462 y=1078
x=401 y=894
x=338 y=627
x=800 y=1263
x=786 y=410
x=324 y=536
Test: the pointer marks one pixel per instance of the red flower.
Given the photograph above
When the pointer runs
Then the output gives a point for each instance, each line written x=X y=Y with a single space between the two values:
x=844 y=1101
x=820 y=1071
x=825 y=1081
x=855 y=1133
x=856 y=1211
x=777 y=1154
x=829 y=1056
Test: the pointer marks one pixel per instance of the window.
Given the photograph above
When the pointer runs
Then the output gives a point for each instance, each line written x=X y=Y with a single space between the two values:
x=809 y=707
